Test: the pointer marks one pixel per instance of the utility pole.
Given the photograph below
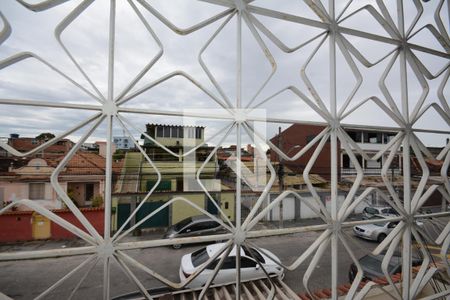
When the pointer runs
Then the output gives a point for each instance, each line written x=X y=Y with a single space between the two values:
x=280 y=175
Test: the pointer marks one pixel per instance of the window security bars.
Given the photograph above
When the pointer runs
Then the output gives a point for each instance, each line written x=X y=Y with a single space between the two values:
x=110 y=109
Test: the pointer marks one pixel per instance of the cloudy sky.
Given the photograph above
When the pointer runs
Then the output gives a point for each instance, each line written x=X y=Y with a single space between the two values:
x=86 y=39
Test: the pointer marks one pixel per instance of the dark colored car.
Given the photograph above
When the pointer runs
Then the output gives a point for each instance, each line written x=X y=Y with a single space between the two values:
x=371 y=265
x=193 y=226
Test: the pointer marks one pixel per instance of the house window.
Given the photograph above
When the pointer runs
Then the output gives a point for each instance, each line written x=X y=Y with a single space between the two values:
x=355 y=135
x=159 y=131
x=166 y=131
x=36 y=191
x=198 y=133
x=89 y=193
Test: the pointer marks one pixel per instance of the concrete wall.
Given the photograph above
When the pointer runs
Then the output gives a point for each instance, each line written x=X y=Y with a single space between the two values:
x=17 y=225
x=181 y=210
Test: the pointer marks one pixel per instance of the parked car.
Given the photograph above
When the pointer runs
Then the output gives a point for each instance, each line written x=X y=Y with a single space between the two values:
x=193 y=226
x=250 y=269
x=370 y=211
x=371 y=265
x=375 y=232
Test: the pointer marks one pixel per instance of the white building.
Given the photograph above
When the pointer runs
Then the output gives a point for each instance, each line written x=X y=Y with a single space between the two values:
x=123 y=142
x=371 y=142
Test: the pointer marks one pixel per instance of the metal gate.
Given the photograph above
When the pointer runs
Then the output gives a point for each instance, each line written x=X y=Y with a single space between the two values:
x=340 y=40
x=160 y=220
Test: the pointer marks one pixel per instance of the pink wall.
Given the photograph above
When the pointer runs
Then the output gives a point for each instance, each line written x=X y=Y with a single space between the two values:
x=17 y=226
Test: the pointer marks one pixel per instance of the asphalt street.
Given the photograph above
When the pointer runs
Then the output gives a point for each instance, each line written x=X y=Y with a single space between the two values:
x=27 y=279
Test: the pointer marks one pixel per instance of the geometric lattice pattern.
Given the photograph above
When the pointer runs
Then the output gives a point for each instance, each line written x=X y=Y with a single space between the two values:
x=333 y=37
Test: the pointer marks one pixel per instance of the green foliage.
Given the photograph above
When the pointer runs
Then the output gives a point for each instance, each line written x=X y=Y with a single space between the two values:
x=97 y=201
x=45 y=136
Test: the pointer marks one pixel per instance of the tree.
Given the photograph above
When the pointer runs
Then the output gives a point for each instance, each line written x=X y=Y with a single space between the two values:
x=45 y=136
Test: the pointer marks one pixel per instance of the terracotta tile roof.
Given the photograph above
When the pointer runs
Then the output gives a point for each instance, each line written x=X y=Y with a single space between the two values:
x=86 y=163
x=26 y=144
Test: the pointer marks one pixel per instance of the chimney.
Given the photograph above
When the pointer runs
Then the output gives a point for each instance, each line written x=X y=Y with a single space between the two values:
x=14 y=136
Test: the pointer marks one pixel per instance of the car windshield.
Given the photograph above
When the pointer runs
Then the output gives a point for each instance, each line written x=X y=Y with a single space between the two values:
x=180 y=225
x=199 y=257
x=253 y=253
x=374 y=264
x=378 y=218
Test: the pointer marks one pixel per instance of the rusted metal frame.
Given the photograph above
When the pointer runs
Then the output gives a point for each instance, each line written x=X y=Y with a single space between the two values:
x=269 y=184
x=151 y=63
x=65 y=277
x=165 y=78
x=26 y=55
x=205 y=67
x=306 y=171
x=6 y=30
x=132 y=277
x=216 y=271
x=63 y=195
x=61 y=27
x=128 y=259
x=167 y=204
x=188 y=30
x=267 y=53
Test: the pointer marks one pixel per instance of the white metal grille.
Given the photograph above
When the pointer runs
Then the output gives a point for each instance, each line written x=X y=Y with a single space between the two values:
x=110 y=109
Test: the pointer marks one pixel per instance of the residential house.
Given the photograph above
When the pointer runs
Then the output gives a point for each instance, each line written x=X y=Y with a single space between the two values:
x=165 y=148
x=83 y=178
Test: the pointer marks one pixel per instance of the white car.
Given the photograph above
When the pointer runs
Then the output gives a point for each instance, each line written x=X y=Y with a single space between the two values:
x=370 y=211
x=250 y=269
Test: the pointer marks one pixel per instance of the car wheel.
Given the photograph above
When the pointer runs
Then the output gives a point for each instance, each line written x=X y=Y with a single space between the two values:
x=381 y=237
x=176 y=246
